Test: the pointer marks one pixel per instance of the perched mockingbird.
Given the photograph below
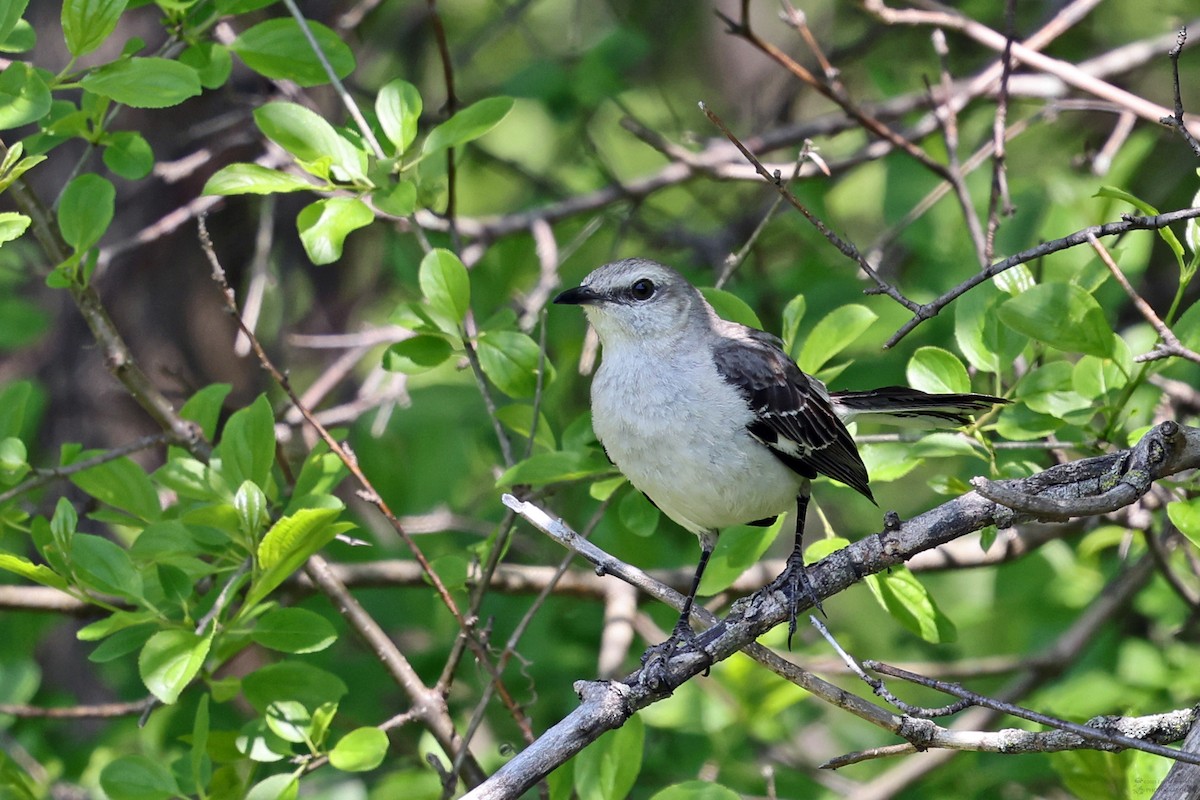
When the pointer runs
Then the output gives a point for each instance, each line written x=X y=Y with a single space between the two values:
x=712 y=420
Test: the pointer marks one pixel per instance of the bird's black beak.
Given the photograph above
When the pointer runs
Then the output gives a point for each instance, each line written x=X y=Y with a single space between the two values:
x=580 y=295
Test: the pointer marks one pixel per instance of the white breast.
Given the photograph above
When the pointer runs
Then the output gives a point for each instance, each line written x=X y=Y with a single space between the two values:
x=690 y=454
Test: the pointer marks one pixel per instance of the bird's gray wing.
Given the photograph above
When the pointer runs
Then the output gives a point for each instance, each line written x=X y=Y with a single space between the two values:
x=793 y=416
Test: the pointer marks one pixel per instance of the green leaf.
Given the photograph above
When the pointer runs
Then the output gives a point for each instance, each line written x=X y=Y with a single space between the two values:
x=14 y=460
x=293 y=630
x=170 y=661
x=311 y=139
x=211 y=61
x=910 y=604
x=278 y=49
x=1050 y=389
x=85 y=210
x=137 y=777
x=38 y=573
x=122 y=484
x=399 y=201
x=472 y=122
x=287 y=545
x=325 y=224
x=122 y=643
x=1185 y=515
x=87 y=23
x=24 y=96
x=696 y=790
x=398 y=107
x=793 y=313
x=204 y=407
x=518 y=418
x=417 y=354
x=10 y=15
x=144 y=82
x=934 y=370
x=445 y=284
x=21 y=39
x=199 y=743
x=247 y=448
x=321 y=473
x=609 y=767
x=638 y=514
x=1063 y=316
x=284 y=786
x=1148 y=210
x=251 y=505
x=128 y=154
x=360 y=750
x=561 y=465
x=738 y=548
x=731 y=307
x=988 y=345
x=510 y=361
x=104 y=565
x=293 y=681
x=254 y=179
x=833 y=334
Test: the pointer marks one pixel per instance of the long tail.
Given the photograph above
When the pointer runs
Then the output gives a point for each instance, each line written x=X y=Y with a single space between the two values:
x=899 y=405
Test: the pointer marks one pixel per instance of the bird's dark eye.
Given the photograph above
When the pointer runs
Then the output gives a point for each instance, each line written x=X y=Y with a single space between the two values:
x=642 y=289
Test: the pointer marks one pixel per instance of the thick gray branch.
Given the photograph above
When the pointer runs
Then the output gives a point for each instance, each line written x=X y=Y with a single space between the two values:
x=1165 y=450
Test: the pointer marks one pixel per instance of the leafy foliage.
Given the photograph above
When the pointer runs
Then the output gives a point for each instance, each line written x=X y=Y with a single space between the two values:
x=444 y=217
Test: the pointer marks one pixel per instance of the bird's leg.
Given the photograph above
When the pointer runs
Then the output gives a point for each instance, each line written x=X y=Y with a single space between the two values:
x=795 y=576
x=655 y=659
x=683 y=628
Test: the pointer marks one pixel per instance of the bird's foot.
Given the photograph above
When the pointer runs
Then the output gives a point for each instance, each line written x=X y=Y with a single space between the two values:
x=795 y=585
x=656 y=674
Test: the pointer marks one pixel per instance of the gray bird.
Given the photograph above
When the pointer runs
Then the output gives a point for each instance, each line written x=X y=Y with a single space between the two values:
x=712 y=420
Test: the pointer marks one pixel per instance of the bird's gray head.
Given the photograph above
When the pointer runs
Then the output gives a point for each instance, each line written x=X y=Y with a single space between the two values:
x=638 y=299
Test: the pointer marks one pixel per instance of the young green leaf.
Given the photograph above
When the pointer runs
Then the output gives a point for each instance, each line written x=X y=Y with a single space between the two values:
x=293 y=630
x=417 y=354
x=731 y=307
x=696 y=790
x=325 y=224
x=138 y=777
x=204 y=407
x=144 y=82
x=278 y=49
x=170 y=660
x=399 y=200
x=128 y=154
x=1063 y=316
x=87 y=23
x=85 y=210
x=908 y=601
x=104 y=566
x=472 y=122
x=247 y=448
x=738 y=549
x=638 y=514
x=311 y=139
x=211 y=61
x=1185 y=515
x=122 y=484
x=561 y=465
x=398 y=107
x=24 y=96
x=360 y=750
x=510 y=361
x=287 y=545
x=292 y=681
x=793 y=313
x=284 y=786
x=254 y=179
x=610 y=765
x=834 y=333
x=934 y=370
x=38 y=573
x=445 y=284
x=10 y=15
